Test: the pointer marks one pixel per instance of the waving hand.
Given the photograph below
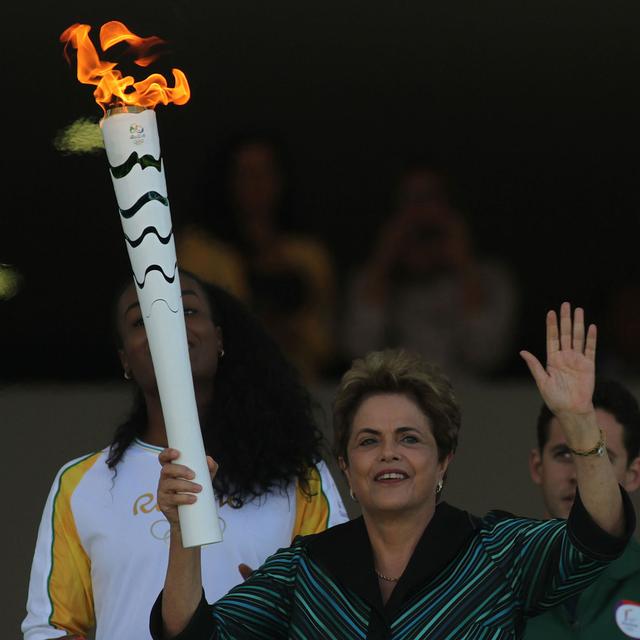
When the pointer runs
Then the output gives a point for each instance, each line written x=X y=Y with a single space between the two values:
x=566 y=385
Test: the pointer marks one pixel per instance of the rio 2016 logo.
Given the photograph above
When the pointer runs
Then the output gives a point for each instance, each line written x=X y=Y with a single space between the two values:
x=146 y=504
x=136 y=134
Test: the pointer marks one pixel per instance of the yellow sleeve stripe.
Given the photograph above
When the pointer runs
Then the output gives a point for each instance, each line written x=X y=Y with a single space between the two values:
x=69 y=581
x=312 y=511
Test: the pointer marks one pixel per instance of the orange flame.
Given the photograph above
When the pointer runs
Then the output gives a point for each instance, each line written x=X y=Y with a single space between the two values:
x=111 y=87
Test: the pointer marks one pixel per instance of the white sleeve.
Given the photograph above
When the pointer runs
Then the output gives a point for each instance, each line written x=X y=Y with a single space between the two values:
x=58 y=604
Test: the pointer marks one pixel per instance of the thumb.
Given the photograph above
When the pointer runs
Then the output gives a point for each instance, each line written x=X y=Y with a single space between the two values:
x=245 y=571
x=537 y=370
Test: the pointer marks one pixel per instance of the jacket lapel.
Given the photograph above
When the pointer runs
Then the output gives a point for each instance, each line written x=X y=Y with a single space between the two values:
x=345 y=552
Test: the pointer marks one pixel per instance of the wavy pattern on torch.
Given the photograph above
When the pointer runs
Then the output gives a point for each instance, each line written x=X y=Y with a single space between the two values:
x=142 y=200
x=121 y=170
x=166 y=302
x=156 y=267
x=135 y=243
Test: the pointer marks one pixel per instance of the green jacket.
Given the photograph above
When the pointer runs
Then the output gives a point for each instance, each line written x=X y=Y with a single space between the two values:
x=595 y=616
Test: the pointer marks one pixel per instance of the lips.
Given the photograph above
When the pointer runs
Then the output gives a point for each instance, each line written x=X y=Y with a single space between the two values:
x=391 y=475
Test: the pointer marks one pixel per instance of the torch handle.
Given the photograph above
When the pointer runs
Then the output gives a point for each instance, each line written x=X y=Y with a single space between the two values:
x=133 y=150
x=199 y=522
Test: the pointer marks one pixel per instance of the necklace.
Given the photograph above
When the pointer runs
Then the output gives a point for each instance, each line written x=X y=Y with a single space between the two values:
x=387 y=578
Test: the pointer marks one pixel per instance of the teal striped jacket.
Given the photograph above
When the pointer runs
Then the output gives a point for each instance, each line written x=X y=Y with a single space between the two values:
x=468 y=579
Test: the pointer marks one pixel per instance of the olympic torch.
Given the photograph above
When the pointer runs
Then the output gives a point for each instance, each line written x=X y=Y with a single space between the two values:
x=130 y=133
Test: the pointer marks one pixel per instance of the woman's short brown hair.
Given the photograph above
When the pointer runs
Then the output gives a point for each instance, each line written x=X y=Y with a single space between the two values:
x=397 y=371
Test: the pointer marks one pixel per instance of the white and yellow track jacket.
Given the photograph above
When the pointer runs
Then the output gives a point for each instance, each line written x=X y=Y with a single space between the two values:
x=102 y=548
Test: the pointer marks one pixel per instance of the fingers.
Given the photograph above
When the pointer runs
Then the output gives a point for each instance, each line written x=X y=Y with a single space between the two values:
x=176 y=486
x=172 y=470
x=170 y=485
x=553 y=343
x=590 y=347
x=174 y=490
x=565 y=326
x=537 y=370
x=167 y=455
x=571 y=334
x=167 y=502
x=181 y=471
x=578 y=330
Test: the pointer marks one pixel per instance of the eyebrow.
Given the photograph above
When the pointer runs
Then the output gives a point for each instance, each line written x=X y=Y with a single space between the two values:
x=377 y=432
x=133 y=305
x=185 y=292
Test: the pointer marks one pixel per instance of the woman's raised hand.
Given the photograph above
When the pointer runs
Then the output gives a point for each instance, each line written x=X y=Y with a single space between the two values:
x=175 y=486
x=567 y=383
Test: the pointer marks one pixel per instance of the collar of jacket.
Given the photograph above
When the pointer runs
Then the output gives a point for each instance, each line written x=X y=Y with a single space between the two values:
x=345 y=552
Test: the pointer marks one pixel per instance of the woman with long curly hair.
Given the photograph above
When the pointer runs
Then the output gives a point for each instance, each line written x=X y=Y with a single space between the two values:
x=102 y=547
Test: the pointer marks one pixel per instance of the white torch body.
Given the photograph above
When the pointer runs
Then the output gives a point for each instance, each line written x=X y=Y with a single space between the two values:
x=133 y=150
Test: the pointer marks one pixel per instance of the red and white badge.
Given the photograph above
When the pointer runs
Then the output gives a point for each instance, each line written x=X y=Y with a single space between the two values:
x=628 y=618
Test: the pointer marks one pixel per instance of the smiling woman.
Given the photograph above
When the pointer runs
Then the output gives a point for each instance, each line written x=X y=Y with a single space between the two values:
x=413 y=566
x=396 y=384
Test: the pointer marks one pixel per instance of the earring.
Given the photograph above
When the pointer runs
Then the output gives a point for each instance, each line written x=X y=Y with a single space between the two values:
x=353 y=495
x=127 y=374
x=221 y=353
x=439 y=486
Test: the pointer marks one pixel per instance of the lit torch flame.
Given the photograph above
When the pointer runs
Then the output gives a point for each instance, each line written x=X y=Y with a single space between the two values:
x=111 y=87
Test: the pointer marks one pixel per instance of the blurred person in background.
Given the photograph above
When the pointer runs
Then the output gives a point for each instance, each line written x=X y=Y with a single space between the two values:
x=609 y=608
x=102 y=547
x=247 y=246
x=424 y=287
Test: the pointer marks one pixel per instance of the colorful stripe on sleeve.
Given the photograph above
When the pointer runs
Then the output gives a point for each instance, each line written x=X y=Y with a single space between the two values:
x=69 y=581
x=312 y=508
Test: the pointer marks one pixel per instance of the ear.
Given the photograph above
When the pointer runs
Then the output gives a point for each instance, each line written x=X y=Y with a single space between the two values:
x=123 y=359
x=445 y=465
x=220 y=338
x=632 y=476
x=535 y=466
x=344 y=467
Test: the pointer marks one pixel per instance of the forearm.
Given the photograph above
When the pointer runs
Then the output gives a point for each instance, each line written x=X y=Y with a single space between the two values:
x=182 y=587
x=597 y=483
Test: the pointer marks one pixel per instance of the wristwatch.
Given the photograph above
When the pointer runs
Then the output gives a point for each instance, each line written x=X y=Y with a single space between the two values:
x=598 y=450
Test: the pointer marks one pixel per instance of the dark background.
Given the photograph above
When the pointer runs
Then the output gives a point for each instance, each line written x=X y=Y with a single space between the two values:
x=531 y=106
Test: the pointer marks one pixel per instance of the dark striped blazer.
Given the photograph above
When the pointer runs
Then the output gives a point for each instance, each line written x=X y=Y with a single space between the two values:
x=468 y=579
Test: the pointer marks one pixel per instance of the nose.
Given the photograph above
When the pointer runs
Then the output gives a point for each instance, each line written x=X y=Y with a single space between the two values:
x=389 y=450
